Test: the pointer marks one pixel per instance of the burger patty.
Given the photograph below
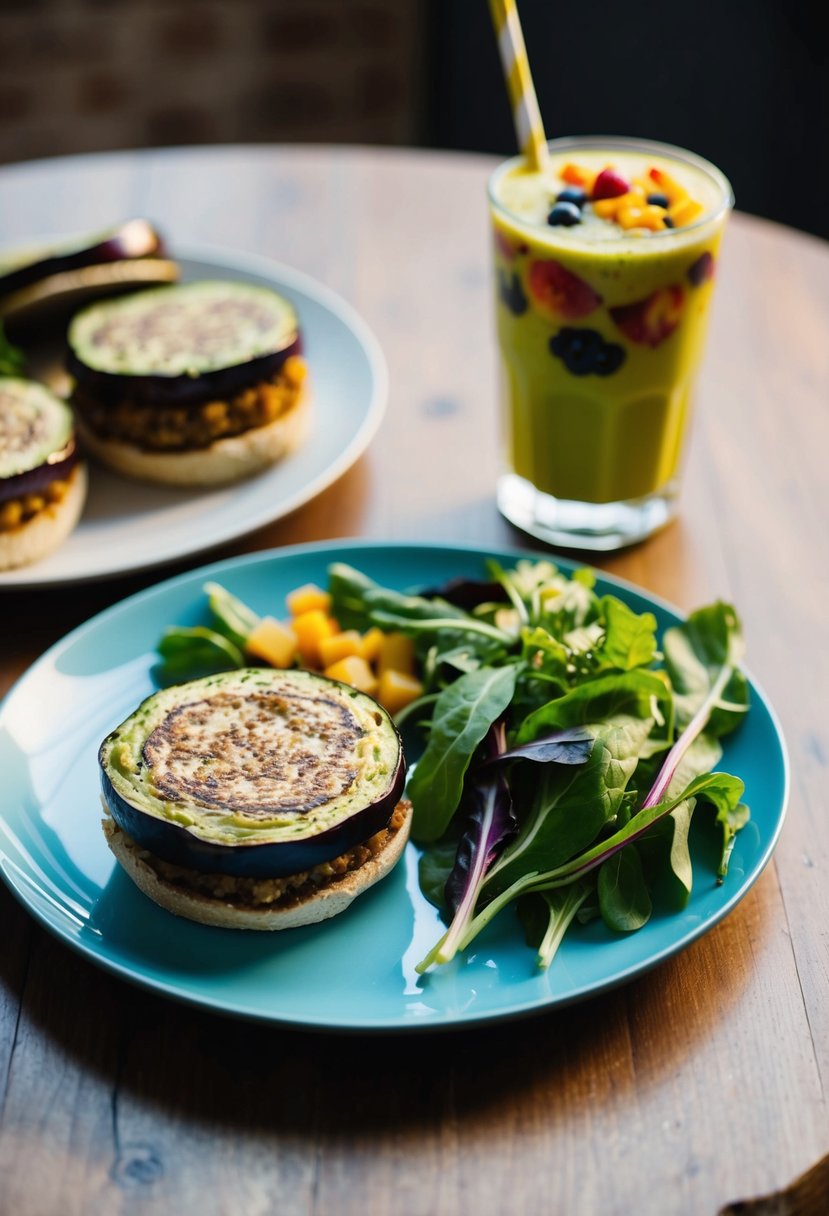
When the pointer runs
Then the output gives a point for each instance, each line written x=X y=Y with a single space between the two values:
x=18 y=511
x=183 y=428
x=283 y=892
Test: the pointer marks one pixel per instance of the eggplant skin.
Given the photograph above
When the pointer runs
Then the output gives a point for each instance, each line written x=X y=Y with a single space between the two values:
x=32 y=481
x=163 y=391
x=181 y=345
x=161 y=739
x=132 y=240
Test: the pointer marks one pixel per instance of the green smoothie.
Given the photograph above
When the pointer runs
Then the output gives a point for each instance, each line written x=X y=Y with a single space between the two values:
x=604 y=271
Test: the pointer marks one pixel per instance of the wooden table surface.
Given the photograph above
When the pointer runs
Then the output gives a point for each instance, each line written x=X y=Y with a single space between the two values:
x=702 y=1082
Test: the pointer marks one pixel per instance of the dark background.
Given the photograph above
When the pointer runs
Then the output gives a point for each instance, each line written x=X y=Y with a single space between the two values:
x=742 y=82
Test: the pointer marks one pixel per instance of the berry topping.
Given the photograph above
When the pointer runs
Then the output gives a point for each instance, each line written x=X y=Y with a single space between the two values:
x=584 y=352
x=512 y=293
x=650 y=321
x=701 y=270
x=609 y=184
x=573 y=194
x=564 y=215
x=658 y=200
x=559 y=292
x=504 y=245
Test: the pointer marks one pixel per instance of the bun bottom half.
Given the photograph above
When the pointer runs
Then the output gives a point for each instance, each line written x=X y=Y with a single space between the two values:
x=221 y=463
x=306 y=904
x=48 y=529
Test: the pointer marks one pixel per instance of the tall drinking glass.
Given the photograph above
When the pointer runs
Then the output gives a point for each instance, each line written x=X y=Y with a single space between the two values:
x=601 y=329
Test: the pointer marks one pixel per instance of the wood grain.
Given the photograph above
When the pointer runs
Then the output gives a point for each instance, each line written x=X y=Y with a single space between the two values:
x=698 y=1084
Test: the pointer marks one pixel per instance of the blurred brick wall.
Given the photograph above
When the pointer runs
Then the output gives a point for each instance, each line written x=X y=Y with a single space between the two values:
x=91 y=75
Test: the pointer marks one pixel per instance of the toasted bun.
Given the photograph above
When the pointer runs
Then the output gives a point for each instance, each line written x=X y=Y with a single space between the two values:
x=224 y=461
x=304 y=907
x=46 y=530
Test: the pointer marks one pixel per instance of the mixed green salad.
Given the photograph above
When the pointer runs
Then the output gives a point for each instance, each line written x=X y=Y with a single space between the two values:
x=561 y=746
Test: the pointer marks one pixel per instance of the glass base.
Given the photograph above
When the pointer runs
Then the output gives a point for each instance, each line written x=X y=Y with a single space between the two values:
x=584 y=525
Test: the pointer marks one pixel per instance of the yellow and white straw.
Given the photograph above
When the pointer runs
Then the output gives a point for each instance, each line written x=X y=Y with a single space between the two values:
x=525 y=111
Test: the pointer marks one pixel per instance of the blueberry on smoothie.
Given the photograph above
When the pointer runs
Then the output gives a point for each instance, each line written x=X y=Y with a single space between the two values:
x=572 y=194
x=564 y=215
x=701 y=270
x=584 y=352
x=512 y=293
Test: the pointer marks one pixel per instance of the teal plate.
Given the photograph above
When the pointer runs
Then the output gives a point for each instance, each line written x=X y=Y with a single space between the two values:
x=357 y=971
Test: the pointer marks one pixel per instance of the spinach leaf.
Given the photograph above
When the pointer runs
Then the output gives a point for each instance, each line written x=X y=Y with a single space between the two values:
x=645 y=694
x=624 y=901
x=571 y=806
x=462 y=715
x=629 y=638
x=187 y=652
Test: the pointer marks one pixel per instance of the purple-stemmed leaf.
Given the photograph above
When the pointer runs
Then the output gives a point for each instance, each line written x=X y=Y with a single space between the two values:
x=489 y=823
x=559 y=747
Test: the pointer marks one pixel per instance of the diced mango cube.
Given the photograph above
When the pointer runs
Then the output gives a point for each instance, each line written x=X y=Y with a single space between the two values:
x=577 y=175
x=650 y=216
x=353 y=670
x=310 y=628
x=372 y=644
x=685 y=212
x=396 y=690
x=340 y=646
x=273 y=642
x=396 y=653
x=669 y=187
x=307 y=597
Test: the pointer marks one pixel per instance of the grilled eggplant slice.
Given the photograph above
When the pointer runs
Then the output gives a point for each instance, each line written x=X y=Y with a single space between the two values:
x=181 y=345
x=42 y=480
x=253 y=773
x=48 y=285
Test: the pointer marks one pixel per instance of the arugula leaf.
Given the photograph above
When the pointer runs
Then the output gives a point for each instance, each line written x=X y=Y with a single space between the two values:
x=698 y=654
x=462 y=715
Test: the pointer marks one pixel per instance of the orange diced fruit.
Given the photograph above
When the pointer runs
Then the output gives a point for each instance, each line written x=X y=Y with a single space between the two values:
x=609 y=208
x=396 y=653
x=649 y=216
x=340 y=646
x=372 y=644
x=353 y=670
x=306 y=598
x=685 y=212
x=272 y=642
x=668 y=185
x=396 y=690
x=576 y=175
x=310 y=628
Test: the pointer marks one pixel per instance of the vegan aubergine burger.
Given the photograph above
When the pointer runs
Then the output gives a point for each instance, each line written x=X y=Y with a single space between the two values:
x=193 y=384
x=42 y=479
x=255 y=799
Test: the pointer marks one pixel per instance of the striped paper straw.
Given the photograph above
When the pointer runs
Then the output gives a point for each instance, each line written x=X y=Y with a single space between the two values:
x=525 y=111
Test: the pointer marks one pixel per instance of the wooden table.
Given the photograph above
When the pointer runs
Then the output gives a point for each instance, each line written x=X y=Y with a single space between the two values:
x=702 y=1082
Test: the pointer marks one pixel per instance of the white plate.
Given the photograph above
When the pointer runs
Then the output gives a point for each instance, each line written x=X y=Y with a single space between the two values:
x=128 y=526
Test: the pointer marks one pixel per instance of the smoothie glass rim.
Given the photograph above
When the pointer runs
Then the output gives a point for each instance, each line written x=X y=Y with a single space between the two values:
x=623 y=143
